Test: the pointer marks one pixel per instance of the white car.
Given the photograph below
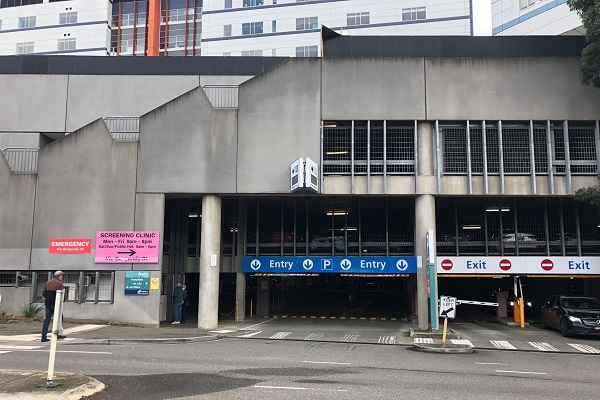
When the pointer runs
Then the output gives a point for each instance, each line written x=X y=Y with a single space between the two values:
x=523 y=240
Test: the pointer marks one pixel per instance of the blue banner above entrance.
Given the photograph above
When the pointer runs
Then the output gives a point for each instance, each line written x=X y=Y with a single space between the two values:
x=330 y=265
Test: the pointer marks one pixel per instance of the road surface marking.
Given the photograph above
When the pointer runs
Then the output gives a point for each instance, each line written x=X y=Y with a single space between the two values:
x=314 y=336
x=8 y=347
x=248 y=335
x=73 y=351
x=36 y=336
x=502 y=344
x=251 y=326
x=4 y=352
x=326 y=362
x=478 y=363
x=222 y=331
x=543 y=346
x=423 y=340
x=280 y=335
x=387 y=339
x=298 y=388
x=584 y=348
x=83 y=328
x=350 y=338
x=522 y=372
x=462 y=341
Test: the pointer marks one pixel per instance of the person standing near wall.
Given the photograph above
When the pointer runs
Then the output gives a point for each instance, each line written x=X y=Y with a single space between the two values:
x=179 y=296
x=186 y=302
x=49 y=293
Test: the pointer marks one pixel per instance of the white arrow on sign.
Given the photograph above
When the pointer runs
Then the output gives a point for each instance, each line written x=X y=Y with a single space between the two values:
x=447 y=306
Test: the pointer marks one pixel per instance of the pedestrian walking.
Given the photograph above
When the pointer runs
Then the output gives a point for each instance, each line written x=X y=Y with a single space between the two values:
x=49 y=293
x=179 y=296
x=186 y=303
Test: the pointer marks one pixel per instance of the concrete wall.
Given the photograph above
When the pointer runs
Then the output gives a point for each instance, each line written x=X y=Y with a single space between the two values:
x=508 y=89
x=279 y=121
x=86 y=184
x=17 y=194
x=373 y=88
x=186 y=147
x=13 y=299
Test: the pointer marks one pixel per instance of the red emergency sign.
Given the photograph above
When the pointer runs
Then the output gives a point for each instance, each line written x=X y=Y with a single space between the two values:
x=70 y=246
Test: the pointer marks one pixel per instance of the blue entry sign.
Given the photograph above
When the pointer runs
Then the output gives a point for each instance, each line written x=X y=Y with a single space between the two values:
x=137 y=282
x=331 y=265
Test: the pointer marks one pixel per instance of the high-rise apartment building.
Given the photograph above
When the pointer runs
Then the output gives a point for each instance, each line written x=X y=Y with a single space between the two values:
x=215 y=27
x=534 y=17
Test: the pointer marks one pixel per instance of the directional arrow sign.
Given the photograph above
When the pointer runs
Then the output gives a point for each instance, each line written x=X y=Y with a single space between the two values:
x=345 y=264
x=307 y=264
x=447 y=306
x=130 y=252
x=127 y=247
x=255 y=265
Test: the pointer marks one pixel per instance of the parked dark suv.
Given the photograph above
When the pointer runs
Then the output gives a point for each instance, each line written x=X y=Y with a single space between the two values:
x=572 y=315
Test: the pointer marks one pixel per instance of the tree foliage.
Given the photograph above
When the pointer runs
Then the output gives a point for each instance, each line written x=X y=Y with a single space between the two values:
x=589 y=195
x=589 y=11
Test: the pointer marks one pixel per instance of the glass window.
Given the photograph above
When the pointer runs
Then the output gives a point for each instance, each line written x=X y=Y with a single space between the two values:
x=273 y=26
x=411 y=14
x=307 y=51
x=303 y=24
x=27 y=22
x=358 y=19
x=252 y=3
x=252 y=28
x=228 y=4
x=227 y=30
x=66 y=44
x=67 y=18
x=24 y=48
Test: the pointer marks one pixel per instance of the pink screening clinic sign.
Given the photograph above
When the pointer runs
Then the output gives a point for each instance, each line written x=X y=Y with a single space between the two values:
x=127 y=247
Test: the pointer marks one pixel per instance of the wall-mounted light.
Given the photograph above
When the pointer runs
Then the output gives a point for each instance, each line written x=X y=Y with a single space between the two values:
x=329 y=124
x=336 y=153
x=496 y=209
x=194 y=215
x=467 y=227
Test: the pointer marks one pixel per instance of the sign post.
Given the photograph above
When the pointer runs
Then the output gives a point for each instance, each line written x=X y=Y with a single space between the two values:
x=432 y=279
x=56 y=319
x=447 y=310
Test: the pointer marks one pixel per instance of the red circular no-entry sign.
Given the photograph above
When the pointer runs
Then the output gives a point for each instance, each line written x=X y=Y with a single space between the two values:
x=505 y=264
x=447 y=265
x=547 y=264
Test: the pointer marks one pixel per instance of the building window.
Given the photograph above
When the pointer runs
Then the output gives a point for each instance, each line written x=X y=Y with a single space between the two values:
x=67 y=18
x=227 y=30
x=303 y=24
x=307 y=51
x=273 y=26
x=526 y=3
x=24 y=48
x=228 y=4
x=66 y=44
x=362 y=18
x=412 y=14
x=27 y=22
x=252 y=53
x=252 y=28
x=252 y=3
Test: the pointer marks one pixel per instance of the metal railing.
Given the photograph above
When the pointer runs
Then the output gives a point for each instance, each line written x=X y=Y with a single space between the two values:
x=22 y=160
x=222 y=96
x=124 y=129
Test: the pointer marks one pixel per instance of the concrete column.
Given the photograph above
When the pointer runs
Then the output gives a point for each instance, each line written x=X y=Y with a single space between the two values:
x=210 y=263
x=424 y=212
x=240 y=279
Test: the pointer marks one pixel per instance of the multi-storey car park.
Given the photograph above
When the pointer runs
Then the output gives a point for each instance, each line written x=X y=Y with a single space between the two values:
x=131 y=174
x=214 y=27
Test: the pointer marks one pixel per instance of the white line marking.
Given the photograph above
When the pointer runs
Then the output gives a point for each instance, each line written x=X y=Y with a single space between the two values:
x=280 y=335
x=74 y=351
x=7 y=347
x=83 y=328
x=298 y=388
x=462 y=341
x=423 y=340
x=251 y=334
x=314 y=336
x=502 y=344
x=543 y=346
x=252 y=326
x=4 y=352
x=584 y=348
x=326 y=362
x=222 y=331
x=36 y=336
x=350 y=338
x=478 y=363
x=387 y=339
x=521 y=372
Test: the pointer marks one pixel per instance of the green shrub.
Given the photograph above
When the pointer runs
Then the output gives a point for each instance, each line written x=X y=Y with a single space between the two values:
x=31 y=311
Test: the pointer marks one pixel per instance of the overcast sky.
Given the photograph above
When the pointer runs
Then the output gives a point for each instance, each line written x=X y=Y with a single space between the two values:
x=482 y=17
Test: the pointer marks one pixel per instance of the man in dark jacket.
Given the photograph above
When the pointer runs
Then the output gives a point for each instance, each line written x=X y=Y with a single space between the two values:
x=49 y=293
x=179 y=296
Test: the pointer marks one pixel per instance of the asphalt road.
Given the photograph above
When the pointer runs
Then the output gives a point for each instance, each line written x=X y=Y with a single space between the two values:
x=235 y=368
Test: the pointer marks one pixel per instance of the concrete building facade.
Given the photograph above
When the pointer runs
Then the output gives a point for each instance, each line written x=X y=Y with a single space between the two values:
x=476 y=143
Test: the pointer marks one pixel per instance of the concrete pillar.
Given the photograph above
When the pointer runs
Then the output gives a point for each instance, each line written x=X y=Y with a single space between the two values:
x=210 y=263
x=424 y=213
x=240 y=279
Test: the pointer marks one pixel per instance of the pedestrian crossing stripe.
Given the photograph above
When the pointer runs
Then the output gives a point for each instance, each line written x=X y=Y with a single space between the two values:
x=584 y=348
x=462 y=341
x=423 y=340
x=542 y=346
x=503 y=344
x=280 y=335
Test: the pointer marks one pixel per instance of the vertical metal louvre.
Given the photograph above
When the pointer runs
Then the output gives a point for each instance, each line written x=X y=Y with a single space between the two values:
x=222 y=96
x=124 y=129
x=22 y=160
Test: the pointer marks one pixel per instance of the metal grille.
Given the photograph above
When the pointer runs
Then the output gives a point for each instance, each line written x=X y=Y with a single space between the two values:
x=400 y=142
x=492 y=150
x=455 y=149
x=105 y=286
x=515 y=146
x=360 y=150
x=377 y=150
x=22 y=160
x=71 y=282
x=123 y=129
x=559 y=151
x=476 y=138
x=222 y=96
x=8 y=278
x=540 y=150
x=336 y=150
x=582 y=150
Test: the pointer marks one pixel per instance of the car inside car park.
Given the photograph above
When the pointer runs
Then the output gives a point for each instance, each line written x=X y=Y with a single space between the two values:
x=572 y=315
